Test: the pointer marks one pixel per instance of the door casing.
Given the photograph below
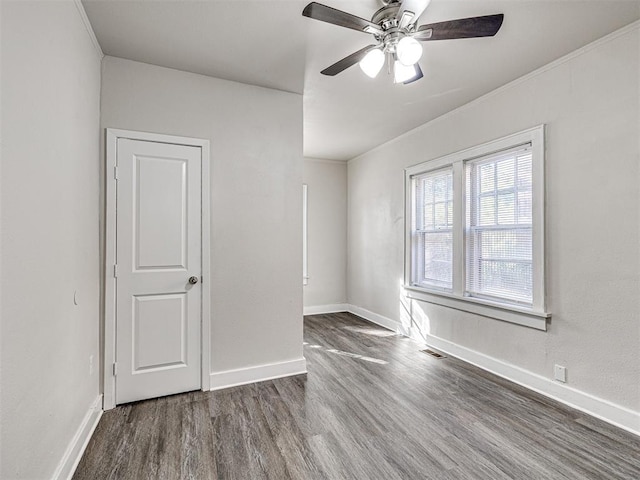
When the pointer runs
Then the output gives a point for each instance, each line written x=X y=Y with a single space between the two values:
x=111 y=138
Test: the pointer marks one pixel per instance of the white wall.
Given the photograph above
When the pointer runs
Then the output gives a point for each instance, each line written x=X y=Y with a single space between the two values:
x=590 y=104
x=327 y=234
x=49 y=232
x=256 y=177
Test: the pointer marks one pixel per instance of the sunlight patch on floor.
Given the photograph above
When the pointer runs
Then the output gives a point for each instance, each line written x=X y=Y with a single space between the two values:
x=376 y=332
x=359 y=357
x=349 y=354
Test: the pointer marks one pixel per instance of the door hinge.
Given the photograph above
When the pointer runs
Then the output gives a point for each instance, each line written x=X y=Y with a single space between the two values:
x=115 y=173
x=115 y=271
x=115 y=369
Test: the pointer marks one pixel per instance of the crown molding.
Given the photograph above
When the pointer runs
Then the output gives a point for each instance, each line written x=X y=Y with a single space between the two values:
x=325 y=160
x=87 y=25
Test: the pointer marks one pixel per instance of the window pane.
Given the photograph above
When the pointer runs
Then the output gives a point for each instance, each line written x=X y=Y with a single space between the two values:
x=428 y=217
x=431 y=248
x=487 y=211
x=499 y=246
x=428 y=188
x=525 y=171
x=440 y=188
x=506 y=209
x=525 y=211
x=437 y=259
x=440 y=215
x=505 y=244
x=506 y=173
x=487 y=178
x=507 y=280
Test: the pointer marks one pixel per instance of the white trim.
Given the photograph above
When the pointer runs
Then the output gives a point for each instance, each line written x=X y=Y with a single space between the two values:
x=545 y=68
x=326 y=160
x=530 y=135
x=610 y=412
x=381 y=320
x=89 y=27
x=459 y=200
x=368 y=315
x=519 y=316
x=605 y=410
x=72 y=455
x=538 y=219
x=305 y=264
x=388 y=323
x=205 y=225
x=112 y=136
x=322 y=309
x=258 y=373
x=534 y=317
x=109 y=382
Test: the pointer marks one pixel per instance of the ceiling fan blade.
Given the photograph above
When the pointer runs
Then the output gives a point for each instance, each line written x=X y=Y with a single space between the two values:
x=418 y=76
x=317 y=11
x=485 y=26
x=410 y=11
x=346 y=62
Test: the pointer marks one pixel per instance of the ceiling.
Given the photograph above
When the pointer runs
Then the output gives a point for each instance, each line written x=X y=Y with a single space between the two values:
x=269 y=43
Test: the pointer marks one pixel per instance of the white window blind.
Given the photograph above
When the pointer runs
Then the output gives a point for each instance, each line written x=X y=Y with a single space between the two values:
x=498 y=231
x=432 y=229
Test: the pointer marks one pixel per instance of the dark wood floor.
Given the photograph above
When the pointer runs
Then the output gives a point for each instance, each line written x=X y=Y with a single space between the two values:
x=371 y=407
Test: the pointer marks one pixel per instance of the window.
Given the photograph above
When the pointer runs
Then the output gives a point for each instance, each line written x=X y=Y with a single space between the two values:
x=499 y=248
x=433 y=229
x=475 y=239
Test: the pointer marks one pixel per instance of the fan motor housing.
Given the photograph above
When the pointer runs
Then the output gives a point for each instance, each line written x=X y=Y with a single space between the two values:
x=386 y=15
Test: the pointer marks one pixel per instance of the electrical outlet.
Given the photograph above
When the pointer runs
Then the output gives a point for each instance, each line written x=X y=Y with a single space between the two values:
x=90 y=365
x=560 y=373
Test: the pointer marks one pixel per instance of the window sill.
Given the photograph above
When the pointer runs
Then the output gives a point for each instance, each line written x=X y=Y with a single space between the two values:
x=519 y=316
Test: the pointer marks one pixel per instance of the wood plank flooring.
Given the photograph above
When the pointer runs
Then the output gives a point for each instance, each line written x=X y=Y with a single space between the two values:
x=371 y=407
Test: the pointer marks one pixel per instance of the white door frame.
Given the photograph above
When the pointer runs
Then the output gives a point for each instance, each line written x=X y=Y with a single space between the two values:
x=112 y=136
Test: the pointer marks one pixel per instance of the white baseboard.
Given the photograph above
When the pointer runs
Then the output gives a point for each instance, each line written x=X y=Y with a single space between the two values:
x=605 y=410
x=617 y=415
x=383 y=321
x=361 y=312
x=73 y=454
x=259 y=373
x=322 y=309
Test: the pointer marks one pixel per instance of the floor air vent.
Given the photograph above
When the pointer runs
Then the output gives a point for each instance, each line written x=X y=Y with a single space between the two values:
x=433 y=354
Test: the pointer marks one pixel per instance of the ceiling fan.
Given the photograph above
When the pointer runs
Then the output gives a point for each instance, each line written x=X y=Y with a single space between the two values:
x=394 y=27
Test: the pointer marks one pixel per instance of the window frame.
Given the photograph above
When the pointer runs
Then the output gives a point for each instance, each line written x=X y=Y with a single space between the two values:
x=435 y=229
x=536 y=316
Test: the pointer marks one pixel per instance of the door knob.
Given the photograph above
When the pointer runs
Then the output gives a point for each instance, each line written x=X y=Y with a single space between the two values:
x=193 y=280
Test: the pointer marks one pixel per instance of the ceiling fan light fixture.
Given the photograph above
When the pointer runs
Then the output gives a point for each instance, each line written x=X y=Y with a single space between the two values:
x=403 y=73
x=372 y=63
x=397 y=34
x=408 y=51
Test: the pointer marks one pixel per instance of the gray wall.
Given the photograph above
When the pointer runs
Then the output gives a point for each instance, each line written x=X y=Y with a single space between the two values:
x=590 y=103
x=256 y=201
x=327 y=232
x=49 y=232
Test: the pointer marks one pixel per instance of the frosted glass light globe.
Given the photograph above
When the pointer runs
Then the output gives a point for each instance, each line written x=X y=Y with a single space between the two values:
x=372 y=63
x=402 y=73
x=408 y=51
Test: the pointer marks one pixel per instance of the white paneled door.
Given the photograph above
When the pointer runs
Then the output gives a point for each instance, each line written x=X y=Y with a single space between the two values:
x=158 y=271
